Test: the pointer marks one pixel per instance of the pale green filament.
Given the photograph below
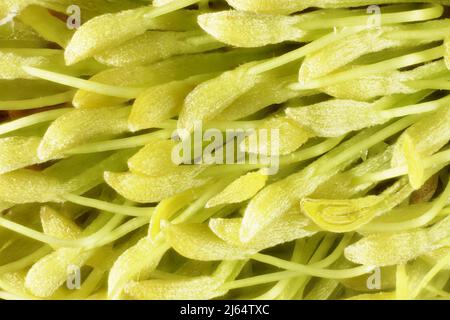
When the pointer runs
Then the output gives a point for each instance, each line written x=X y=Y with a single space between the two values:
x=429 y=276
x=118 y=144
x=369 y=142
x=420 y=221
x=32 y=120
x=429 y=84
x=25 y=261
x=110 y=207
x=296 y=270
x=379 y=67
x=431 y=12
x=108 y=90
x=87 y=243
x=436 y=160
x=39 y=102
x=303 y=51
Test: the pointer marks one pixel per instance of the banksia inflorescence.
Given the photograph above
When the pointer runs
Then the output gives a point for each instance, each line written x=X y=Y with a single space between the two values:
x=119 y=178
